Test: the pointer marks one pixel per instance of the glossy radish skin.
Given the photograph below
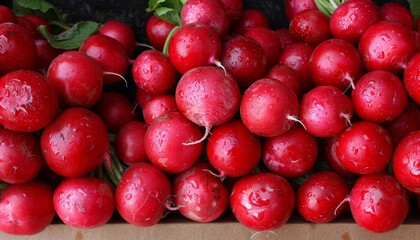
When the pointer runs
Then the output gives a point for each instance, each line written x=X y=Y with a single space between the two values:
x=364 y=147
x=290 y=154
x=335 y=62
x=110 y=55
x=310 y=26
x=405 y=161
x=20 y=156
x=199 y=195
x=233 y=150
x=153 y=72
x=411 y=80
x=210 y=12
x=165 y=142
x=194 y=45
x=207 y=96
x=287 y=76
x=387 y=45
x=378 y=202
x=268 y=40
x=351 y=19
x=7 y=15
x=158 y=106
x=325 y=111
x=18 y=50
x=293 y=7
x=244 y=58
x=328 y=149
x=395 y=11
x=408 y=121
x=268 y=108
x=142 y=195
x=122 y=32
x=26 y=209
x=319 y=199
x=77 y=78
x=157 y=30
x=250 y=18
x=84 y=202
x=46 y=53
x=379 y=96
x=28 y=102
x=75 y=143
x=262 y=201
x=129 y=142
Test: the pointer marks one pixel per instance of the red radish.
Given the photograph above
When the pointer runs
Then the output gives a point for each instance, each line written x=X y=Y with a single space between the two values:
x=158 y=106
x=310 y=26
x=269 y=41
x=165 y=140
x=200 y=196
x=75 y=143
x=26 y=209
x=296 y=56
x=233 y=150
x=141 y=97
x=209 y=12
x=110 y=55
x=351 y=19
x=142 y=195
x=387 y=45
x=395 y=11
x=77 y=78
x=18 y=50
x=319 y=199
x=7 y=15
x=284 y=36
x=157 y=31
x=28 y=102
x=129 y=142
x=29 y=26
x=378 y=202
x=250 y=18
x=411 y=80
x=379 y=96
x=194 y=45
x=20 y=156
x=287 y=76
x=37 y=20
x=244 y=58
x=207 y=96
x=293 y=7
x=122 y=32
x=262 y=201
x=405 y=161
x=153 y=72
x=115 y=109
x=364 y=147
x=325 y=111
x=407 y=122
x=290 y=154
x=84 y=202
x=46 y=54
x=269 y=108
x=234 y=9
x=328 y=147
x=335 y=62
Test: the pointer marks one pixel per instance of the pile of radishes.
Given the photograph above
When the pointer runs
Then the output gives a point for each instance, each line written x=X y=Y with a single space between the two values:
x=218 y=115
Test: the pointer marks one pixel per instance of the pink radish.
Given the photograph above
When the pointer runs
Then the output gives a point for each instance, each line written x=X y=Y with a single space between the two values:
x=207 y=96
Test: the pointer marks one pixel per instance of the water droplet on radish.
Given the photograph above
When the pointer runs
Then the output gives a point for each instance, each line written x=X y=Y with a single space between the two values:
x=128 y=196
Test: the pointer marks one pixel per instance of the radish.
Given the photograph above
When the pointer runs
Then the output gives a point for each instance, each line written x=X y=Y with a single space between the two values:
x=141 y=97
x=193 y=45
x=388 y=45
x=234 y=9
x=395 y=11
x=233 y=150
x=328 y=147
x=262 y=201
x=26 y=209
x=165 y=142
x=325 y=111
x=28 y=102
x=158 y=106
x=21 y=158
x=207 y=96
x=290 y=154
x=30 y=27
x=407 y=122
x=157 y=31
x=200 y=196
x=310 y=26
x=284 y=36
x=244 y=58
x=18 y=50
x=269 y=108
x=335 y=62
x=142 y=195
x=293 y=7
x=46 y=54
x=121 y=32
x=84 y=202
x=269 y=41
x=7 y=15
x=287 y=76
x=77 y=78
x=250 y=18
x=209 y=12
x=129 y=142
x=75 y=143
x=379 y=96
x=411 y=80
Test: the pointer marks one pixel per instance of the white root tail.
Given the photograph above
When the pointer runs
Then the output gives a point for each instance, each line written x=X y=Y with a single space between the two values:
x=206 y=134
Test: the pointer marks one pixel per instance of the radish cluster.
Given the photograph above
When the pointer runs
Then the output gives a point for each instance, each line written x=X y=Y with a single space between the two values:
x=217 y=114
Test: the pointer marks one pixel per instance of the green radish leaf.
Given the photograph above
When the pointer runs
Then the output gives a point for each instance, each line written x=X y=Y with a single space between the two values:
x=39 y=7
x=414 y=8
x=168 y=10
x=73 y=37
